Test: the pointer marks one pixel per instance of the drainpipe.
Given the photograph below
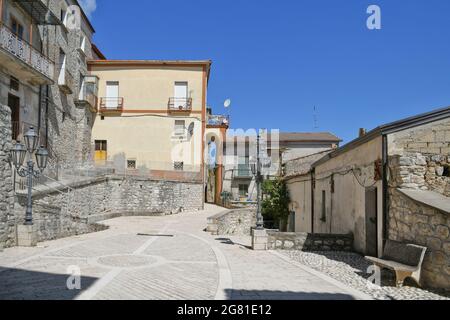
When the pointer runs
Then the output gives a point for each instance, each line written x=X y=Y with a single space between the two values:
x=385 y=189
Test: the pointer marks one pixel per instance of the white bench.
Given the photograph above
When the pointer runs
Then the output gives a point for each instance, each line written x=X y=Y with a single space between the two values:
x=405 y=259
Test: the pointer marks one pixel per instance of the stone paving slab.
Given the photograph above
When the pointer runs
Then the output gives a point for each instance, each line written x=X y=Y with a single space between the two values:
x=167 y=257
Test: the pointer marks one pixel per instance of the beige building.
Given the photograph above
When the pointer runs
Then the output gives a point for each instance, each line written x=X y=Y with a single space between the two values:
x=391 y=183
x=151 y=117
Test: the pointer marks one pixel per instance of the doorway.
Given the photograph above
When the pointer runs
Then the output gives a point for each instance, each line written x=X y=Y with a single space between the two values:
x=372 y=222
x=101 y=151
x=14 y=105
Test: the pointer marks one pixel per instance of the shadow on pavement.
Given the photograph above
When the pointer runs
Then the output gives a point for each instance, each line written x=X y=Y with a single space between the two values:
x=231 y=242
x=17 y=284
x=284 y=295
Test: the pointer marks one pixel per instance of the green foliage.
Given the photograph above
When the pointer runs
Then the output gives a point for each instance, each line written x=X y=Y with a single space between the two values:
x=275 y=204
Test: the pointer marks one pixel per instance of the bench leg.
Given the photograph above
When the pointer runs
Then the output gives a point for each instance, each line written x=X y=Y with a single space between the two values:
x=401 y=276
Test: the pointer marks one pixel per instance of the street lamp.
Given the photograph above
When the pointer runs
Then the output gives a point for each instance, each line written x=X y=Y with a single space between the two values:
x=18 y=154
x=256 y=171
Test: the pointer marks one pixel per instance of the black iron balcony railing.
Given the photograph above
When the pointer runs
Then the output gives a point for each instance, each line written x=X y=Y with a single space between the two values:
x=25 y=52
x=108 y=104
x=180 y=104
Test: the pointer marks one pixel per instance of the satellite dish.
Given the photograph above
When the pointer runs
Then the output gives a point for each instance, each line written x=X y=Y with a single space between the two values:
x=227 y=103
x=191 y=129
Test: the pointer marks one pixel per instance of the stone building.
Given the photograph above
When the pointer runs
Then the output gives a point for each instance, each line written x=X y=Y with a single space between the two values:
x=390 y=183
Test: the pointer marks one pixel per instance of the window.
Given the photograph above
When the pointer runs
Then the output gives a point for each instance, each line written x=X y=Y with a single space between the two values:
x=17 y=28
x=243 y=190
x=178 y=166
x=83 y=43
x=179 y=129
x=131 y=164
x=324 y=206
x=101 y=145
x=13 y=84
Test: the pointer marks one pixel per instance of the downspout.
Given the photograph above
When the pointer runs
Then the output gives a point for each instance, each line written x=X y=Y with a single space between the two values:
x=385 y=189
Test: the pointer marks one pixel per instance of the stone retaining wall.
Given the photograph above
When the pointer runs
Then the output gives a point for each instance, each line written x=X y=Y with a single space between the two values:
x=309 y=242
x=412 y=222
x=6 y=185
x=61 y=211
x=233 y=222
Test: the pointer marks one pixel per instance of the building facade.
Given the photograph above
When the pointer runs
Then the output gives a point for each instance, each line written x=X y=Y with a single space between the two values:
x=239 y=150
x=391 y=183
x=151 y=117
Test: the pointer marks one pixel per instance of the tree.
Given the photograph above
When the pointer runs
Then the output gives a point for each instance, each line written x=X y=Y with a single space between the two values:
x=275 y=204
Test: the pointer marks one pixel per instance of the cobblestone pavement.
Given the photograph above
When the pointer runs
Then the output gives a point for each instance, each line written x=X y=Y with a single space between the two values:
x=351 y=268
x=160 y=258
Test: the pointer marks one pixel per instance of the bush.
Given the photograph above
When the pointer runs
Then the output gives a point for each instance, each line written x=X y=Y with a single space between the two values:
x=275 y=204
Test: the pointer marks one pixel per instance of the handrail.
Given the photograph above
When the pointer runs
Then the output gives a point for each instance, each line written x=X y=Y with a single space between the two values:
x=185 y=104
x=105 y=100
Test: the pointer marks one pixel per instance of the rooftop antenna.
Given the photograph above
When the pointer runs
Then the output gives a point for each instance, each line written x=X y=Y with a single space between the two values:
x=227 y=105
x=316 y=119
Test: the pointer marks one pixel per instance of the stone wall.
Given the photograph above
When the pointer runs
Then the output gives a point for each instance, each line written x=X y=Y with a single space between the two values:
x=61 y=211
x=233 y=222
x=6 y=185
x=412 y=222
x=309 y=242
x=419 y=171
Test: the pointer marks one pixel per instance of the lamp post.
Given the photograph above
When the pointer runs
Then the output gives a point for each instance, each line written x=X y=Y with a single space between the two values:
x=256 y=170
x=18 y=154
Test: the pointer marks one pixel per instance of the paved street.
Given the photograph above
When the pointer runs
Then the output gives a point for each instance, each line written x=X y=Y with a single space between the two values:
x=160 y=258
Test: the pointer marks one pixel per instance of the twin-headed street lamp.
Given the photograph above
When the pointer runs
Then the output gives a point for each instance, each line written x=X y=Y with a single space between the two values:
x=18 y=154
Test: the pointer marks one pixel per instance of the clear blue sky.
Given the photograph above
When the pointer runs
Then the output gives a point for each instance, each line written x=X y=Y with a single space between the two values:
x=276 y=60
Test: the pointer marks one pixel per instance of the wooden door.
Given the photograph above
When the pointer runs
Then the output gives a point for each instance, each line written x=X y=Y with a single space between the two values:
x=101 y=151
x=14 y=104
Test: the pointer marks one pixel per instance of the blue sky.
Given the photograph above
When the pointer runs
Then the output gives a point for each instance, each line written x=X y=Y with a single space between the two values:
x=276 y=60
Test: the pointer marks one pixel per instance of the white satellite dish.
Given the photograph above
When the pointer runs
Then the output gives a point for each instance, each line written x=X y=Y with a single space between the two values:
x=227 y=103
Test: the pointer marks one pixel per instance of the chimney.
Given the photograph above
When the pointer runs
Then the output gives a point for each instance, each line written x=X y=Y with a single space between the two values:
x=362 y=132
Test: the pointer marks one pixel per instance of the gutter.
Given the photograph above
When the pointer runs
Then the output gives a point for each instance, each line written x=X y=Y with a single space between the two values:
x=385 y=159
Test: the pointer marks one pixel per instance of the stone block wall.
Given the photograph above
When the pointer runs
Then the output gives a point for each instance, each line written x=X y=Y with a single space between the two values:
x=412 y=222
x=418 y=171
x=6 y=183
x=70 y=211
x=309 y=242
x=233 y=222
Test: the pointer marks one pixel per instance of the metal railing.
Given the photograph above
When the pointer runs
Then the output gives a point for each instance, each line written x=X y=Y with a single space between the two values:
x=25 y=52
x=180 y=104
x=218 y=120
x=243 y=171
x=88 y=95
x=111 y=104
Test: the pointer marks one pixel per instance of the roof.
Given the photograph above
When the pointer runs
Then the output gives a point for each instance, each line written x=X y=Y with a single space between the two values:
x=85 y=16
x=297 y=137
x=308 y=137
x=137 y=63
x=98 y=52
x=303 y=165
x=389 y=128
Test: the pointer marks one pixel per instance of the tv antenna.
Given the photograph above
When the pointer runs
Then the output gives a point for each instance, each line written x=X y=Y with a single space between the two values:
x=316 y=119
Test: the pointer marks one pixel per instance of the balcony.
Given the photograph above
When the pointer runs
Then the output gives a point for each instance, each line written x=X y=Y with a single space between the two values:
x=24 y=61
x=111 y=104
x=218 y=121
x=65 y=81
x=88 y=94
x=243 y=172
x=180 y=105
